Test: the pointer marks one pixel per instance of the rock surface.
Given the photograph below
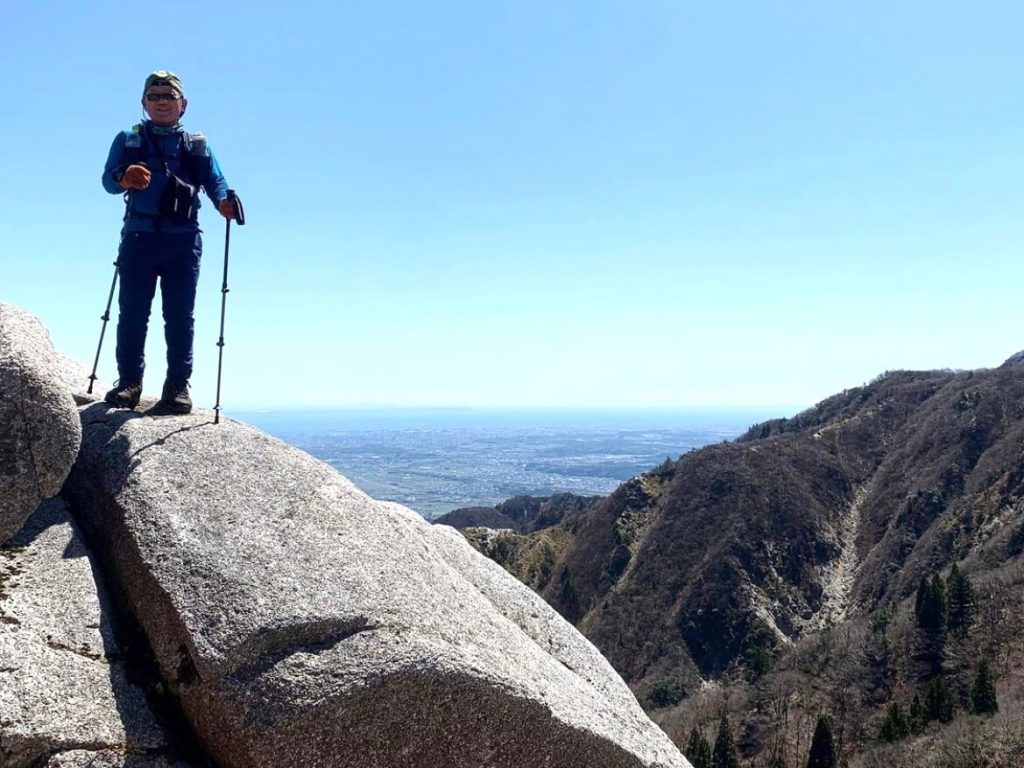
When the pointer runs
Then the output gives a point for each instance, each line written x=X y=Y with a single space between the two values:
x=63 y=684
x=40 y=430
x=300 y=622
x=109 y=758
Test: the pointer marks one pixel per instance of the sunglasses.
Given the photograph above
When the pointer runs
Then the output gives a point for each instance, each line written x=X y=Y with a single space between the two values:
x=162 y=97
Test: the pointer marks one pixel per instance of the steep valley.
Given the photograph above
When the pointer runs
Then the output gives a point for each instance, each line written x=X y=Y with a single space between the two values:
x=774 y=577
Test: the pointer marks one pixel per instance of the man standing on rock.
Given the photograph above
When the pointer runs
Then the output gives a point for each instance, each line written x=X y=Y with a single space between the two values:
x=160 y=168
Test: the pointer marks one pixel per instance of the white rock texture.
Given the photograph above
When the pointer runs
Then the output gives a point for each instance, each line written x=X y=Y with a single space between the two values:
x=63 y=684
x=301 y=623
x=109 y=758
x=39 y=426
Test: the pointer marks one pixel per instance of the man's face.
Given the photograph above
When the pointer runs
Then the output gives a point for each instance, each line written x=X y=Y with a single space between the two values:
x=163 y=104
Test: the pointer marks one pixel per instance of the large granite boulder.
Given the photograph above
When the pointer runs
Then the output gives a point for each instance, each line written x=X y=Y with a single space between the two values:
x=64 y=691
x=39 y=425
x=301 y=623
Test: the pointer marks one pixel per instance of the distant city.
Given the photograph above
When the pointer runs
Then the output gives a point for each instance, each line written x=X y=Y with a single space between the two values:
x=434 y=460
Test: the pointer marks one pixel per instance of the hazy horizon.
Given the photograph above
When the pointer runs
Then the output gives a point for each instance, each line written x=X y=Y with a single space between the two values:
x=407 y=416
x=434 y=460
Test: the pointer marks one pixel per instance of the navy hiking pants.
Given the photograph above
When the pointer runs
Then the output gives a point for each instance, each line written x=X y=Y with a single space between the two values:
x=145 y=257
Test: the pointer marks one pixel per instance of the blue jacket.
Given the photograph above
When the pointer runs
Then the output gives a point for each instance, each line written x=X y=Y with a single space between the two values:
x=143 y=209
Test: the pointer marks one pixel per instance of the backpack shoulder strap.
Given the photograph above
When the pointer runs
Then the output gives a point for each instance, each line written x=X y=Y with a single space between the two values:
x=134 y=145
x=196 y=156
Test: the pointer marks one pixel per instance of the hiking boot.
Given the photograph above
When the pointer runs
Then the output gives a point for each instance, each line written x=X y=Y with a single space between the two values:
x=125 y=395
x=175 y=398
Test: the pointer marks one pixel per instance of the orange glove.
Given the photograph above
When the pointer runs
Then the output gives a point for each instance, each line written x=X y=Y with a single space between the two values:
x=135 y=177
x=226 y=208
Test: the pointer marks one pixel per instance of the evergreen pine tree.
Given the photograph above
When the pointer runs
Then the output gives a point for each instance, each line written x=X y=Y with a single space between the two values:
x=698 y=750
x=693 y=744
x=823 y=748
x=725 y=754
x=930 y=605
x=983 y=693
x=1016 y=543
x=938 y=588
x=931 y=619
x=895 y=726
x=960 y=600
x=704 y=756
x=922 y=588
x=918 y=717
x=938 y=700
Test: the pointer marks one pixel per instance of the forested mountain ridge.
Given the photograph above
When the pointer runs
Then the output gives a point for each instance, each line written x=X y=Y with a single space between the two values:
x=524 y=514
x=723 y=567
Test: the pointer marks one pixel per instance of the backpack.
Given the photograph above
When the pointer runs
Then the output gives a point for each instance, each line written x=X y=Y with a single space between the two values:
x=178 y=203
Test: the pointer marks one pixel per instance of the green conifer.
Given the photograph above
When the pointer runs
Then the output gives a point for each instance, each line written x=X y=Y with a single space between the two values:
x=918 y=717
x=938 y=701
x=1016 y=543
x=698 y=749
x=960 y=601
x=895 y=726
x=823 y=748
x=983 y=693
x=930 y=605
x=725 y=754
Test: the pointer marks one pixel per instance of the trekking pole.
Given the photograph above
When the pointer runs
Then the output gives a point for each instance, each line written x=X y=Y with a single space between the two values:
x=240 y=218
x=105 y=317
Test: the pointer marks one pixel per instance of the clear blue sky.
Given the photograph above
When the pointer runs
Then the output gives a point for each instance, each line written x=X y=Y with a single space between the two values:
x=542 y=203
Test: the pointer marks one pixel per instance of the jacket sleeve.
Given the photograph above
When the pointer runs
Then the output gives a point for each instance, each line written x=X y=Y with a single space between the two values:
x=115 y=160
x=215 y=185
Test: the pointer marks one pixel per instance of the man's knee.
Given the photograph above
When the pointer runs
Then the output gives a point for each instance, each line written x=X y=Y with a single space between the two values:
x=179 y=301
x=133 y=305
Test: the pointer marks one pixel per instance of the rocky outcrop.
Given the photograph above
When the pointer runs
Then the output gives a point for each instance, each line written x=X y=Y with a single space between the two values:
x=300 y=622
x=63 y=683
x=40 y=430
x=289 y=618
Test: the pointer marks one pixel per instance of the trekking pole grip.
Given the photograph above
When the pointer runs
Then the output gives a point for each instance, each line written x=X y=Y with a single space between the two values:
x=237 y=203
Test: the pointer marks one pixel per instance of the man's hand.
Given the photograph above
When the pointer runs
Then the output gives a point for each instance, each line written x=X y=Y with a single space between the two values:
x=226 y=208
x=135 y=177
